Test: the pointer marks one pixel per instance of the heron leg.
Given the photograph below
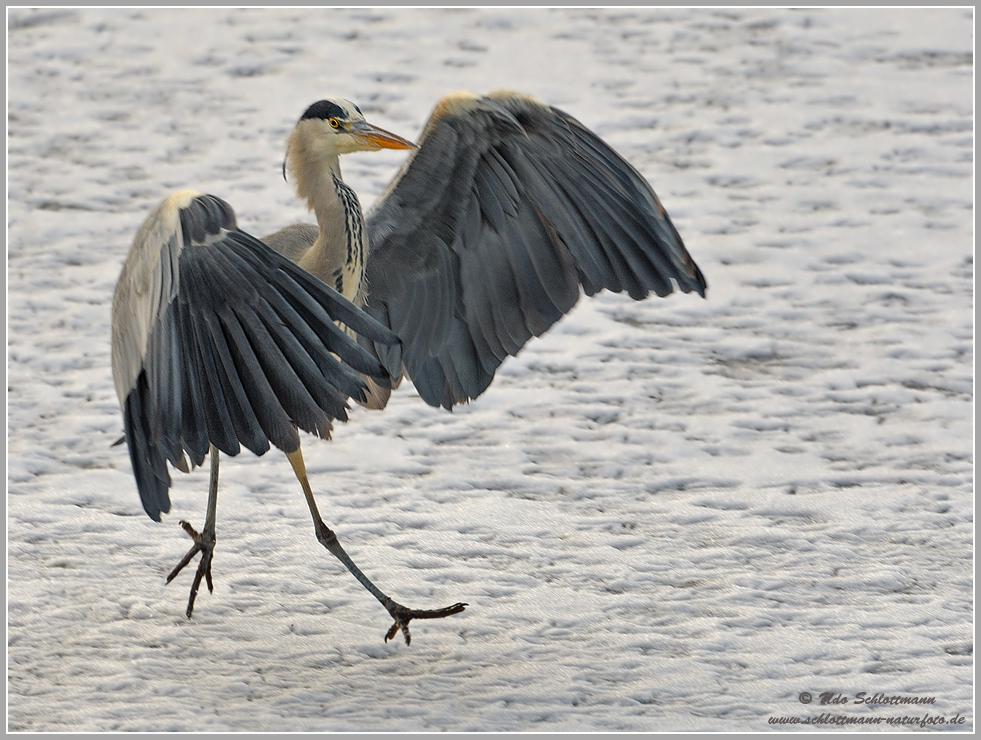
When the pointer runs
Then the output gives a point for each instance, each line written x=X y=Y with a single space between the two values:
x=204 y=542
x=401 y=614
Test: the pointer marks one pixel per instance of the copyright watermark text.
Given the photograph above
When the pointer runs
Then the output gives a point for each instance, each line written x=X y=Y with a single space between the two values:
x=862 y=697
x=837 y=719
x=903 y=710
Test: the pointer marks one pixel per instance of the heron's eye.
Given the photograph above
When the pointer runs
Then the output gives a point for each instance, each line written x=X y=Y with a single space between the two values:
x=333 y=123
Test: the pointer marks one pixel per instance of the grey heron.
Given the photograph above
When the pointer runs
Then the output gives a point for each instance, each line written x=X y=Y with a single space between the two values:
x=502 y=213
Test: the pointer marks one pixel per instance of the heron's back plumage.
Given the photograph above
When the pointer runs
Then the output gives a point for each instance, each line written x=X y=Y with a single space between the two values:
x=293 y=241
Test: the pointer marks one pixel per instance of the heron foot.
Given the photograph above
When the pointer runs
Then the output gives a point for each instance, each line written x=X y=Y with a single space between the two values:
x=403 y=615
x=204 y=543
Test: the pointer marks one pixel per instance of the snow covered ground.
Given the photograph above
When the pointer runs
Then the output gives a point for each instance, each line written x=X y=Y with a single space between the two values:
x=672 y=514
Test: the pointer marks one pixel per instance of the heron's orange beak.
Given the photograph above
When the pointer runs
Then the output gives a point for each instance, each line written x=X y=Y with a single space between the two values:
x=377 y=138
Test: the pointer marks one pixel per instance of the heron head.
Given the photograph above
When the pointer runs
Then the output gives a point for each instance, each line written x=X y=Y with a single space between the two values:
x=340 y=127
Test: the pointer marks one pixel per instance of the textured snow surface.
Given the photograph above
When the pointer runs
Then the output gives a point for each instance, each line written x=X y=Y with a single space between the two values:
x=674 y=514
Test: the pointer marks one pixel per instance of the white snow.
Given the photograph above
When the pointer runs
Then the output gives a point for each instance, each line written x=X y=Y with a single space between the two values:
x=671 y=514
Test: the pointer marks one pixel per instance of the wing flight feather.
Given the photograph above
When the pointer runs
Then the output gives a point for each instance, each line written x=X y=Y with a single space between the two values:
x=217 y=339
x=507 y=208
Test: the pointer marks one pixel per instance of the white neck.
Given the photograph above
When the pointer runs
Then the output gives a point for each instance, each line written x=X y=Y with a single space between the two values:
x=316 y=172
x=312 y=167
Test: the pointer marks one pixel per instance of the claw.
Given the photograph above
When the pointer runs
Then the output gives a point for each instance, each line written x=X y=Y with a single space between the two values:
x=394 y=630
x=204 y=543
x=403 y=615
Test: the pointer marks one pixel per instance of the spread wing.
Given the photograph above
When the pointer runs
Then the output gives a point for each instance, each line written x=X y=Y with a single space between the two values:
x=217 y=339
x=485 y=237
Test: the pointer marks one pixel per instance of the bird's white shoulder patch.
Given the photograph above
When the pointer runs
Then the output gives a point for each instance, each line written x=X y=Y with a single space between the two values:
x=179 y=199
x=500 y=95
x=456 y=104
